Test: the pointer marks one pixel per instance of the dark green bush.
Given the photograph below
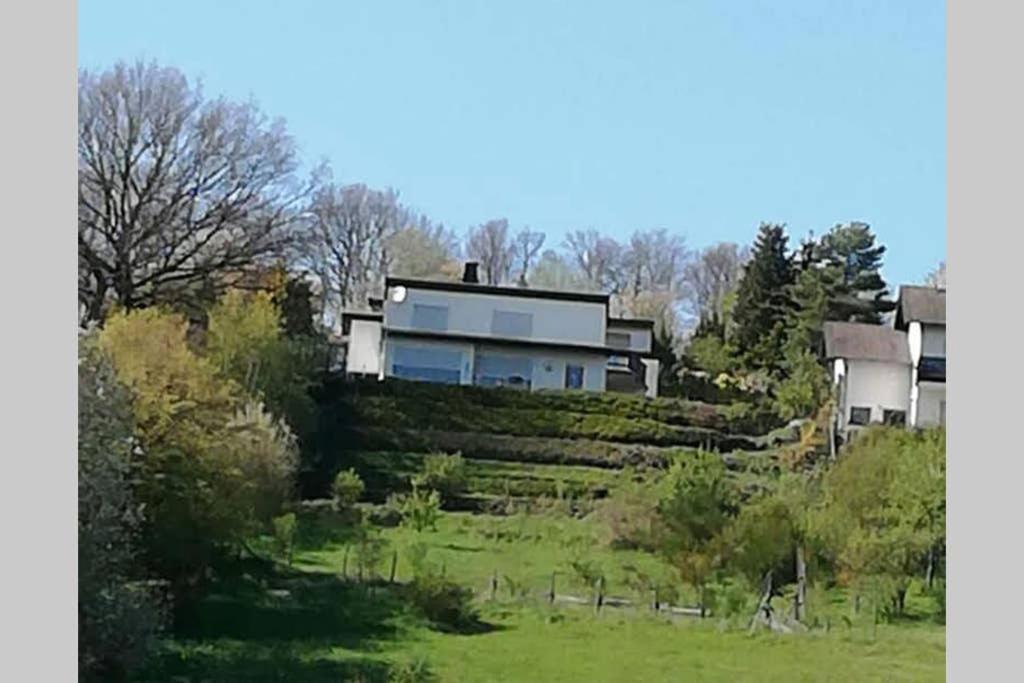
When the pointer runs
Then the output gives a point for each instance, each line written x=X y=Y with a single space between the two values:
x=444 y=603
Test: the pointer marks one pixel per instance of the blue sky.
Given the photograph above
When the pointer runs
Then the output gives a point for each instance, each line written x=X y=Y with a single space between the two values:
x=701 y=117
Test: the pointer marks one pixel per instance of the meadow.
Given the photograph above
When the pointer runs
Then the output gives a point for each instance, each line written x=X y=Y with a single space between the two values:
x=317 y=621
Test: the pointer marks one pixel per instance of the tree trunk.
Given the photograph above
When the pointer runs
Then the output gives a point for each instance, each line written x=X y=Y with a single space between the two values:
x=800 y=604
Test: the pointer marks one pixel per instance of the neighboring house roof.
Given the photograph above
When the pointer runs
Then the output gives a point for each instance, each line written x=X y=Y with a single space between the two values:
x=921 y=304
x=860 y=341
x=631 y=322
x=527 y=292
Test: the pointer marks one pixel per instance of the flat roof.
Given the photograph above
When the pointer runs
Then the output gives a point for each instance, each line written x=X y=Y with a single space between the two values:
x=495 y=290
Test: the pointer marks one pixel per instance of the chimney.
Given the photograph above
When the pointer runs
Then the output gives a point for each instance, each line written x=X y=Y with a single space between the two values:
x=469 y=274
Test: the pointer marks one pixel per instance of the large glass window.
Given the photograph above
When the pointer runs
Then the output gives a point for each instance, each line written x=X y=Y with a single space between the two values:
x=426 y=364
x=430 y=317
x=503 y=371
x=511 y=324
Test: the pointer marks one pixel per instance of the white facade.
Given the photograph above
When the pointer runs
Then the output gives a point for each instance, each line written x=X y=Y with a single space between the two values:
x=364 y=347
x=627 y=336
x=875 y=386
x=472 y=313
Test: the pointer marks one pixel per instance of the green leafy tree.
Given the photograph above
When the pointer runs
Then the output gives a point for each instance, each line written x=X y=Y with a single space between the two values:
x=444 y=473
x=860 y=293
x=696 y=505
x=882 y=510
x=296 y=305
x=246 y=341
x=763 y=300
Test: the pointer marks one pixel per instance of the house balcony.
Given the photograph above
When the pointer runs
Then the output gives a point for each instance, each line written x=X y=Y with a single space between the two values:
x=931 y=369
x=626 y=373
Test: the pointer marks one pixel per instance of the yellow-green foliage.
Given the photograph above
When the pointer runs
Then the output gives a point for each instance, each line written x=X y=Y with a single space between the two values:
x=215 y=465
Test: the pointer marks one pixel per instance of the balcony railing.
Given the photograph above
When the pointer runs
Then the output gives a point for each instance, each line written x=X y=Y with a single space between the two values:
x=931 y=369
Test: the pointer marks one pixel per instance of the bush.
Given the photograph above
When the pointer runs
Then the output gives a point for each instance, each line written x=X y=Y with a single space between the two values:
x=443 y=473
x=419 y=509
x=347 y=489
x=443 y=602
x=119 y=616
x=284 y=535
x=214 y=466
x=411 y=671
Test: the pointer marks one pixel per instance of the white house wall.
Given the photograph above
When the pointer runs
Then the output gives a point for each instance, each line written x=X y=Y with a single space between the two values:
x=364 y=349
x=566 y=322
x=639 y=339
x=930 y=408
x=876 y=385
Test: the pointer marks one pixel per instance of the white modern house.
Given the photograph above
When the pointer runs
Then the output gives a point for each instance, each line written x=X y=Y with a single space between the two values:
x=469 y=333
x=892 y=375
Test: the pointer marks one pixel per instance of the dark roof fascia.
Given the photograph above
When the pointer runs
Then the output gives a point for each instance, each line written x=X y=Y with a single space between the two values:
x=362 y=315
x=523 y=292
x=632 y=322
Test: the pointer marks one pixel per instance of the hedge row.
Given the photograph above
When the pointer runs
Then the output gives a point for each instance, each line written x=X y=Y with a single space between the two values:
x=738 y=418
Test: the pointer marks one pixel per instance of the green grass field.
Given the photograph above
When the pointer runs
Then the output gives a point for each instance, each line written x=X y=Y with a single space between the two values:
x=310 y=624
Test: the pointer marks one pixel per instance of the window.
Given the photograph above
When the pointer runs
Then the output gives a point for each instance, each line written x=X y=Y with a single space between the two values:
x=573 y=376
x=430 y=317
x=860 y=416
x=508 y=323
x=426 y=364
x=895 y=418
x=618 y=340
x=503 y=371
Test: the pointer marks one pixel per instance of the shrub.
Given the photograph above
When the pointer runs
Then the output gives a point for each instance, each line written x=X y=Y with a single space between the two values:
x=411 y=671
x=443 y=602
x=443 y=473
x=347 y=489
x=630 y=515
x=119 y=617
x=370 y=548
x=284 y=535
x=214 y=466
x=419 y=509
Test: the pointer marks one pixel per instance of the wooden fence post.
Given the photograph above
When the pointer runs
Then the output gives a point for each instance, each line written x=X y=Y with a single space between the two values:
x=344 y=563
x=494 y=585
x=599 y=598
x=394 y=565
x=551 y=593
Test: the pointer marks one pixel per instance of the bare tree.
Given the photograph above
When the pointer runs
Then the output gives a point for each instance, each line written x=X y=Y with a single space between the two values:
x=713 y=275
x=654 y=262
x=174 y=190
x=524 y=249
x=553 y=271
x=490 y=245
x=599 y=258
x=424 y=250
x=937 y=278
x=345 y=245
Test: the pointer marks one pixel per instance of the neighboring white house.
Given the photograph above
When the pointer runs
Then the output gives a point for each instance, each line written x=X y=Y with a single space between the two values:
x=921 y=312
x=469 y=333
x=893 y=375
